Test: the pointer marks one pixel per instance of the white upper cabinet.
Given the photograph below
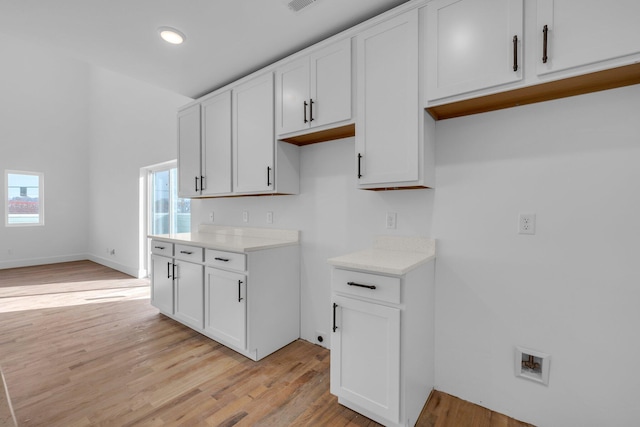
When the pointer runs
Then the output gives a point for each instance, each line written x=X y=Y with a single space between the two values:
x=189 y=174
x=585 y=32
x=216 y=145
x=253 y=136
x=472 y=45
x=391 y=146
x=315 y=90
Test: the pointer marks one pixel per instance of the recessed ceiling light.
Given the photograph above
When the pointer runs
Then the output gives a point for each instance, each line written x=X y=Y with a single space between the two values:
x=171 y=35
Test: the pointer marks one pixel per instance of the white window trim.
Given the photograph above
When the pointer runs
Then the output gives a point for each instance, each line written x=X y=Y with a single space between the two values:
x=40 y=198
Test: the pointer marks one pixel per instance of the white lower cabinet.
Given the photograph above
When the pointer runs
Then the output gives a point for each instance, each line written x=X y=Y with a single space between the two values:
x=189 y=307
x=162 y=283
x=249 y=302
x=225 y=299
x=382 y=358
x=365 y=356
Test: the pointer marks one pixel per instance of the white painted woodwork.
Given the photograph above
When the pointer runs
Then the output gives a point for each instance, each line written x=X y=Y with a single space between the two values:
x=216 y=144
x=158 y=247
x=189 y=295
x=365 y=356
x=253 y=135
x=188 y=253
x=586 y=32
x=323 y=78
x=469 y=45
x=388 y=112
x=382 y=351
x=226 y=306
x=162 y=283
x=227 y=260
x=189 y=173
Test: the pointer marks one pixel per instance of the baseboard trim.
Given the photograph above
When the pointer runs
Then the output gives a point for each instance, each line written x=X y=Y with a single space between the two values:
x=131 y=271
x=28 y=262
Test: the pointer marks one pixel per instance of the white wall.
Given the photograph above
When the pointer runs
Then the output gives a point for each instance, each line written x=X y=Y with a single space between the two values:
x=571 y=290
x=44 y=128
x=132 y=125
x=333 y=216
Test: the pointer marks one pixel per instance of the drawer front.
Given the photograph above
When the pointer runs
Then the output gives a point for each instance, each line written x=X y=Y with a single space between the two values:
x=222 y=259
x=188 y=253
x=367 y=285
x=159 y=247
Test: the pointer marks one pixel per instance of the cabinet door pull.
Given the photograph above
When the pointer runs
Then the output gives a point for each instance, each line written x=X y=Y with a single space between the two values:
x=168 y=270
x=239 y=291
x=197 y=184
x=222 y=259
x=360 y=285
x=545 y=30
x=174 y=272
x=334 y=316
x=201 y=183
x=310 y=110
x=268 y=176
x=186 y=252
x=515 y=53
x=159 y=247
x=305 y=111
x=359 y=165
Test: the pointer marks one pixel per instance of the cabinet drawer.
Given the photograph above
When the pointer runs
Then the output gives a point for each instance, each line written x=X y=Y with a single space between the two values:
x=161 y=248
x=188 y=253
x=381 y=288
x=230 y=260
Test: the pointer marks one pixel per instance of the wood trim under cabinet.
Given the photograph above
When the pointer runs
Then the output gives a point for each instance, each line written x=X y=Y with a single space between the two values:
x=579 y=85
x=323 y=135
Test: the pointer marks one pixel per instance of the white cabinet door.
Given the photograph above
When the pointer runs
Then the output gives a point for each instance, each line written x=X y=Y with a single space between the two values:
x=189 y=294
x=387 y=147
x=226 y=307
x=253 y=135
x=586 y=32
x=472 y=45
x=189 y=176
x=330 y=89
x=292 y=83
x=216 y=144
x=365 y=356
x=162 y=283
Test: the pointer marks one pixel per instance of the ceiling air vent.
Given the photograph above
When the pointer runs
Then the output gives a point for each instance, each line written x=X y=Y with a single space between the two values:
x=298 y=5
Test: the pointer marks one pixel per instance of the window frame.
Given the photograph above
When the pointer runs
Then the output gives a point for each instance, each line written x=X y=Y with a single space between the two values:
x=40 y=176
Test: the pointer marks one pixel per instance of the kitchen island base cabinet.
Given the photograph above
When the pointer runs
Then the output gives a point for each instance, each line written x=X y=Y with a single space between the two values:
x=382 y=354
x=162 y=283
x=189 y=293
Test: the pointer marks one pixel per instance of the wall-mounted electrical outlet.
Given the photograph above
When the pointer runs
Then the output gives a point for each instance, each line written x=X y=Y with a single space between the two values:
x=211 y=216
x=269 y=217
x=527 y=223
x=392 y=218
x=245 y=216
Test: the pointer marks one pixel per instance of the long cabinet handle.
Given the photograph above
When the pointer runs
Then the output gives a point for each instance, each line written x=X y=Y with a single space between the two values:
x=359 y=165
x=334 y=316
x=515 y=53
x=168 y=270
x=268 y=176
x=545 y=31
x=304 y=106
x=159 y=247
x=222 y=259
x=202 y=183
x=310 y=110
x=359 y=285
x=197 y=184
x=174 y=272
x=186 y=252
x=240 y=291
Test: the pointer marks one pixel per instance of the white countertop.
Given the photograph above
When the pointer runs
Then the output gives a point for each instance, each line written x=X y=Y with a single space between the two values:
x=390 y=255
x=234 y=239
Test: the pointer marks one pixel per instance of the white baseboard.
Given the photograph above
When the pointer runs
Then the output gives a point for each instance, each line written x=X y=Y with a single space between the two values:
x=131 y=271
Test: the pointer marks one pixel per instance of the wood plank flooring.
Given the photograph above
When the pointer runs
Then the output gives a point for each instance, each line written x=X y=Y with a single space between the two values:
x=80 y=345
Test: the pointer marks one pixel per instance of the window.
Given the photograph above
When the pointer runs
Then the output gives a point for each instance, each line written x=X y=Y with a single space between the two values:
x=24 y=197
x=167 y=212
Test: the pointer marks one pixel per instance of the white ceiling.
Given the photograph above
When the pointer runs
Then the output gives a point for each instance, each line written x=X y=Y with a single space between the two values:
x=226 y=39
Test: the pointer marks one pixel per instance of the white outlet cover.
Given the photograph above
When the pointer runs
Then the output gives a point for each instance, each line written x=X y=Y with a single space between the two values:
x=245 y=216
x=527 y=223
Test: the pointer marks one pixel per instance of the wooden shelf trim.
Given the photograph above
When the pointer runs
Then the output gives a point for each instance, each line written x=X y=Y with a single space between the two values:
x=323 y=135
x=579 y=85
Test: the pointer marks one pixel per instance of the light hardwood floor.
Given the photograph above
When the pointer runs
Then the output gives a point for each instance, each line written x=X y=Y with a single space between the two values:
x=80 y=345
